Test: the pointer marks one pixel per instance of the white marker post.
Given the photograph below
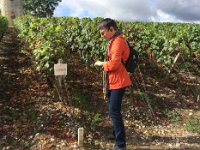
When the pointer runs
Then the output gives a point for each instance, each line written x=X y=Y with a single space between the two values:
x=80 y=136
x=60 y=72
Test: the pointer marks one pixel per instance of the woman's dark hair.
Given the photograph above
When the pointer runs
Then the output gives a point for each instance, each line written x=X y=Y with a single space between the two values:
x=107 y=23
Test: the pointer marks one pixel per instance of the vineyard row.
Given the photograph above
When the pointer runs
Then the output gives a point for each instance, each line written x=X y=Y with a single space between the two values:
x=49 y=39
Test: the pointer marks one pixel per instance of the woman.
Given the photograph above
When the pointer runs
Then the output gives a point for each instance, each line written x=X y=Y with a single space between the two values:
x=117 y=76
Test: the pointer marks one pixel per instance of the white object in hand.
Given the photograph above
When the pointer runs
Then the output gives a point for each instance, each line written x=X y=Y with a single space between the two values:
x=98 y=63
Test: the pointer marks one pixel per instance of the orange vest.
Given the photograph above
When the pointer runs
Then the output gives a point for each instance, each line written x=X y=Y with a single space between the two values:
x=118 y=77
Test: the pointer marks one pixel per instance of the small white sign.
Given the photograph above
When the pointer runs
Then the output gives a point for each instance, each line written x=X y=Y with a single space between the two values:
x=60 y=69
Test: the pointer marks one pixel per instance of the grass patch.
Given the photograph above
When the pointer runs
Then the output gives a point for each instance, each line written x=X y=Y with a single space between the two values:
x=81 y=100
x=193 y=124
x=174 y=116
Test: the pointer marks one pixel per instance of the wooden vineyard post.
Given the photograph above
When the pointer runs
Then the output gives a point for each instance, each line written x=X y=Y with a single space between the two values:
x=80 y=137
x=174 y=62
x=104 y=85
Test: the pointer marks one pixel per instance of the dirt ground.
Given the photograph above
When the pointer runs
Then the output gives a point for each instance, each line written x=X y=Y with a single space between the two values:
x=33 y=117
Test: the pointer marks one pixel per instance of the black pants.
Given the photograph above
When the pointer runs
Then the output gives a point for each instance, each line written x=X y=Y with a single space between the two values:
x=115 y=102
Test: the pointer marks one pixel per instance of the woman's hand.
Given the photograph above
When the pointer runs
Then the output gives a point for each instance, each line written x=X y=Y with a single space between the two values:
x=98 y=63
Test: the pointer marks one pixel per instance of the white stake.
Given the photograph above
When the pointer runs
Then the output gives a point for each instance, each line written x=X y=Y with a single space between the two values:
x=80 y=136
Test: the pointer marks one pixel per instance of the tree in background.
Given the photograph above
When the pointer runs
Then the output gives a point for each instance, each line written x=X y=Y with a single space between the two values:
x=40 y=8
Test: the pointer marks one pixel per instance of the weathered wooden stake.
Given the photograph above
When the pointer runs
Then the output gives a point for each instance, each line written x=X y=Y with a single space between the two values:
x=104 y=85
x=80 y=136
x=174 y=62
